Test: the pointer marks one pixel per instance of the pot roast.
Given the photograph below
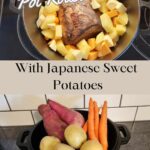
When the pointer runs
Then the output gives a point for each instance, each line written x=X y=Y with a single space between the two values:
x=79 y=21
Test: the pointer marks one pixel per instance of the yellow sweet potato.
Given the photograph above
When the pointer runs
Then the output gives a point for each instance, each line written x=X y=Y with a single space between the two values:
x=103 y=49
x=106 y=22
x=84 y=48
x=92 y=43
x=61 y=48
x=93 y=55
x=112 y=13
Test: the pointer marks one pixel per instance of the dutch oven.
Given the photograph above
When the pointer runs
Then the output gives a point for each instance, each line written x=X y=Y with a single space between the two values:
x=30 y=15
x=118 y=135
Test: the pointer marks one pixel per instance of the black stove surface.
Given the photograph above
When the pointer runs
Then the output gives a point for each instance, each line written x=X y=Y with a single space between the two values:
x=13 y=46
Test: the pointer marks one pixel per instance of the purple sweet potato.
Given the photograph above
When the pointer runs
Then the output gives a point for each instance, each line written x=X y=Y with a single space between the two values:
x=53 y=125
x=68 y=115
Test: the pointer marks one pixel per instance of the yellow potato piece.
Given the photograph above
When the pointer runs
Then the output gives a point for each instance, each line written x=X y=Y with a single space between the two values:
x=121 y=29
x=61 y=48
x=84 y=48
x=114 y=35
x=95 y=4
x=112 y=13
x=74 y=55
x=58 y=32
x=49 y=34
x=41 y=11
x=52 y=45
x=92 y=43
x=106 y=23
x=93 y=55
x=40 y=20
x=123 y=19
x=103 y=49
x=103 y=7
x=70 y=47
x=48 y=20
x=52 y=8
x=99 y=38
x=109 y=41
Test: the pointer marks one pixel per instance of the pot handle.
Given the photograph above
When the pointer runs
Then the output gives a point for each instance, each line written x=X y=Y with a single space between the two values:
x=124 y=134
x=22 y=140
x=13 y=7
x=147 y=5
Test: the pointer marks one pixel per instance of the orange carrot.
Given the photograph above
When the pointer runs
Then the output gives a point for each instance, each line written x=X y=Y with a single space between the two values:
x=91 y=131
x=103 y=127
x=96 y=119
x=85 y=127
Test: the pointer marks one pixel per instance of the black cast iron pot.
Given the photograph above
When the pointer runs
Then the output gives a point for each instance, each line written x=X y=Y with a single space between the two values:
x=30 y=139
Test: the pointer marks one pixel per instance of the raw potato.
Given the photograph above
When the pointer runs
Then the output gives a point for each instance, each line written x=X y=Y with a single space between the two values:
x=106 y=23
x=84 y=48
x=75 y=136
x=49 y=143
x=61 y=146
x=91 y=145
x=68 y=115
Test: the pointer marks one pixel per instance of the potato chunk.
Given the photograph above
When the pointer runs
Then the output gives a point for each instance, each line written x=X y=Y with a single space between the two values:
x=84 y=48
x=123 y=19
x=49 y=34
x=61 y=48
x=121 y=29
x=106 y=23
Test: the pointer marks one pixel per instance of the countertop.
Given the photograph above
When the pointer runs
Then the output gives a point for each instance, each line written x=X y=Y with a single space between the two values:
x=140 y=137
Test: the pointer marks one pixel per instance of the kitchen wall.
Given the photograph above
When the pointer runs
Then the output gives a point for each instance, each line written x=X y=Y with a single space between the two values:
x=18 y=110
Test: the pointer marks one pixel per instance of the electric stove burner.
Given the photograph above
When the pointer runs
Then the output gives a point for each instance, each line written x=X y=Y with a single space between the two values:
x=142 y=41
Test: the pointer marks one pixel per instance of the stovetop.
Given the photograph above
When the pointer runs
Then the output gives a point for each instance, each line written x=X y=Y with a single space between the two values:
x=14 y=44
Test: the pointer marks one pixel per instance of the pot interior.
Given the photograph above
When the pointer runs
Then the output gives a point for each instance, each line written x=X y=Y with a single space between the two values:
x=30 y=16
x=113 y=137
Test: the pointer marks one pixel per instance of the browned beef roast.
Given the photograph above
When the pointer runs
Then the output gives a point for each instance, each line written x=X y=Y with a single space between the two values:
x=79 y=21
